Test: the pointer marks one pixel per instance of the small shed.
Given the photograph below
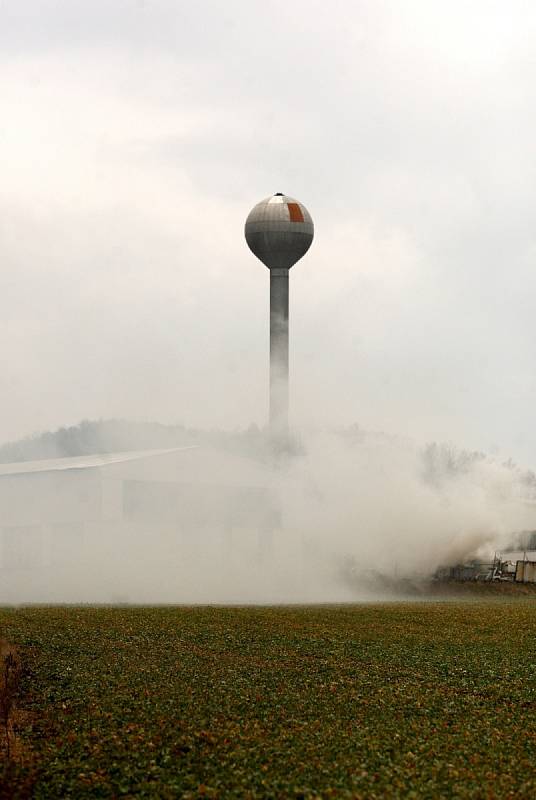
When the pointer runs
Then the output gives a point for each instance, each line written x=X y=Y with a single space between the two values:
x=525 y=571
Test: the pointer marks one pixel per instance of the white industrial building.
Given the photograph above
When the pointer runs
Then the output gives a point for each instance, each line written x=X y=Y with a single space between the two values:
x=69 y=519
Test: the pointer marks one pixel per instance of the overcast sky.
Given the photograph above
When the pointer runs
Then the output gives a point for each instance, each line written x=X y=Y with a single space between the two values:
x=135 y=136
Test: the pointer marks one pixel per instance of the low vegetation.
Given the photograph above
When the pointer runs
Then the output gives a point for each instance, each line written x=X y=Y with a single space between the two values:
x=426 y=700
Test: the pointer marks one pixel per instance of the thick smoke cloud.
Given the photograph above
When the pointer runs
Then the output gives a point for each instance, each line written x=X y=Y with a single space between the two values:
x=344 y=516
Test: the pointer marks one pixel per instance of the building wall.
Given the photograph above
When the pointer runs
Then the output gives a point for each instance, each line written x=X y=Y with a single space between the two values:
x=53 y=520
x=526 y=572
x=43 y=517
x=50 y=497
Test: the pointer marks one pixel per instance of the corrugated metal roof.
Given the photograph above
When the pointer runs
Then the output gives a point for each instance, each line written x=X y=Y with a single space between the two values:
x=83 y=462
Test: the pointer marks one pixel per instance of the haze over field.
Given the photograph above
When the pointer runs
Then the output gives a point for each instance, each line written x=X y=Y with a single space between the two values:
x=349 y=515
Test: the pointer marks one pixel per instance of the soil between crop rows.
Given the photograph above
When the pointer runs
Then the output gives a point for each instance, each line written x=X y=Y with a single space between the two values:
x=432 y=699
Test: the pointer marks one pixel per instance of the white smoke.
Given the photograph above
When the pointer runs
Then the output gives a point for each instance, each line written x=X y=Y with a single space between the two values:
x=373 y=503
x=349 y=506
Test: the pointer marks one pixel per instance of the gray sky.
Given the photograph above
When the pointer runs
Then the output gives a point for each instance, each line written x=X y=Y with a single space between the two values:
x=136 y=135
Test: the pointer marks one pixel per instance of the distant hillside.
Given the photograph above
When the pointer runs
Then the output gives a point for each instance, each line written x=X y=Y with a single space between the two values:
x=439 y=462
x=113 y=435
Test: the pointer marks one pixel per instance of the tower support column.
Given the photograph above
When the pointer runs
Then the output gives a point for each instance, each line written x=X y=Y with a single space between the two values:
x=279 y=350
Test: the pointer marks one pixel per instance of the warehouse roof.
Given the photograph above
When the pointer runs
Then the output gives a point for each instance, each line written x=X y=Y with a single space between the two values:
x=83 y=462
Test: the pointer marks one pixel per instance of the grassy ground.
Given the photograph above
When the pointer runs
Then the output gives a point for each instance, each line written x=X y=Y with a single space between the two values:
x=429 y=700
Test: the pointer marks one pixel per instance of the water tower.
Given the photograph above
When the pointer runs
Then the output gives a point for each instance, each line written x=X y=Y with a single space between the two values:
x=279 y=231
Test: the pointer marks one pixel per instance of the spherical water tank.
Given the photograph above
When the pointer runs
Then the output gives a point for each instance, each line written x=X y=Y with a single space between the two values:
x=279 y=231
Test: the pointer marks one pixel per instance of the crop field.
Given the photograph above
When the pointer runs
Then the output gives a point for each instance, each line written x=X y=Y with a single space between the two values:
x=422 y=700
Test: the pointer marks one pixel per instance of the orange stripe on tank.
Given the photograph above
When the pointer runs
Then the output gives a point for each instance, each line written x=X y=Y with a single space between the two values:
x=295 y=212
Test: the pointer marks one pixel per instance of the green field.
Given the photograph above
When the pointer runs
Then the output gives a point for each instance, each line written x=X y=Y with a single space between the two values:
x=431 y=700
